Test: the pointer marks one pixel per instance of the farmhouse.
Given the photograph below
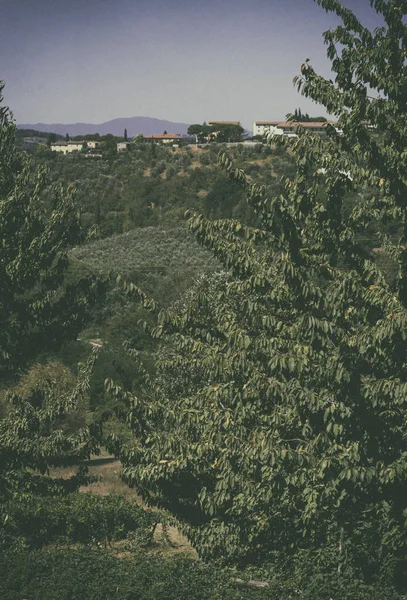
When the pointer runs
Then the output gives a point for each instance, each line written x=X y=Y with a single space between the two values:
x=122 y=146
x=165 y=138
x=72 y=146
x=211 y=123
x=263 y=127
x=287 y=128
x=66 y=147
x=92 y=144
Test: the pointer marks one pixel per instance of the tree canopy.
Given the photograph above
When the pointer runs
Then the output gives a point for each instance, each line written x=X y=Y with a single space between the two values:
x=39 y=310
x=43 y=420
x=275 y=424
x=305 y=118
x=219 y=133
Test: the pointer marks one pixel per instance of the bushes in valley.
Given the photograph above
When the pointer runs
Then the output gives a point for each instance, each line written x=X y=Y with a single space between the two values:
x=98 y=575
x=34 y=521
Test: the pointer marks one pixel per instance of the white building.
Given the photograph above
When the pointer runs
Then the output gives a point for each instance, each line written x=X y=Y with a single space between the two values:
x=165 y=138
x=287 y=128
x=66 y=147
x=122 y=146
x=93 y=143
x=72 y=146
x=263 y=127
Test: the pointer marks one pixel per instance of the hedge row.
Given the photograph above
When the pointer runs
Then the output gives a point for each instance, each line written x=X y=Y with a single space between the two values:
x=33 y=521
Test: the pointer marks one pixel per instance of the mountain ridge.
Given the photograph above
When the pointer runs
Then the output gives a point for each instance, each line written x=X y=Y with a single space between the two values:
x=134 y=125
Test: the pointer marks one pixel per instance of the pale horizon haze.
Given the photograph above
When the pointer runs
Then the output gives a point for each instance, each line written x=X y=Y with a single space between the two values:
x=68 y=61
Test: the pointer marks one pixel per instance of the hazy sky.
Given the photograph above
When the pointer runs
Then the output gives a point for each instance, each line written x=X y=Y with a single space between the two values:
x=184 y=60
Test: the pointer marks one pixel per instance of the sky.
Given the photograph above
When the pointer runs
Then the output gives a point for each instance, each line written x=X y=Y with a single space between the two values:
x=190 y=61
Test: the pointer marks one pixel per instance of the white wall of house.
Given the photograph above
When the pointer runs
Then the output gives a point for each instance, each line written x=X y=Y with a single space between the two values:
x=75 y=146
x=93 y=143
x=59 y=148
x=264 y=127
x=285 y=128
x=121 y=146
x=66 y=147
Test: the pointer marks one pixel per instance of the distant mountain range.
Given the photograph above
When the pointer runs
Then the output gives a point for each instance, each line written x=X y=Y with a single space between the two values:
x=134 y=125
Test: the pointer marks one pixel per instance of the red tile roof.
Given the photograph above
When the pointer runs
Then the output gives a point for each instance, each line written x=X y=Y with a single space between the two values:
x=307 y=124
x=223 y=123
x=163 y=136
x=267 y=122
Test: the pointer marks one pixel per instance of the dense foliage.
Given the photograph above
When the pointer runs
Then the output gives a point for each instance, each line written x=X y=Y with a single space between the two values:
x=97 y=575
x=45 y=426
x=275 y=429
x=219 y=132
x=44 y=418
x=272 y=424
x=36 y=521
x=153 y=185
x=37 y=311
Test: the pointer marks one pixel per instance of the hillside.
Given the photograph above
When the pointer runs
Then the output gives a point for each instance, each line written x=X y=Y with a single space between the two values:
x=134 y=125
x=163 y=261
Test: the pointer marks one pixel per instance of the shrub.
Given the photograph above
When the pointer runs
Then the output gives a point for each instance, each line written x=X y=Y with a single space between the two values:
x=35 y=521
x=97 y=575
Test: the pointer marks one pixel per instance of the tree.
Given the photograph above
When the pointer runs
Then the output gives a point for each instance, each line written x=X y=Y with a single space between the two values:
x=125 y=135
x=39 y=310
x=275 y=426
x=51 y=138
x=109 y=143
x=298 y=116
x=218 y=133
x=44 y=421
x=45 y=426
x=228 y=133
x=199 y=131
x=67 y=137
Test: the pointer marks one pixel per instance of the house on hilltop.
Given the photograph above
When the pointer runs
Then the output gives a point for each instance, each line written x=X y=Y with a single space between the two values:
x=122 y=146
x=263 y=127
x=165 y=138
x=92 y=144
x=287 y=128
x=66 y=147
x=212 y=123
x=72 y=146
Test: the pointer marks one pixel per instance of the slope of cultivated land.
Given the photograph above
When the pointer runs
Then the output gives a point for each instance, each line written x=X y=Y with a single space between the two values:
x=148 y=249
x=163 y=262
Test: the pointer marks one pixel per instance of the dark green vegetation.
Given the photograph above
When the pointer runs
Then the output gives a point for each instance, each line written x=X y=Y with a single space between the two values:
x=222 y=132
x=38 y=308
x=152 y=185
x=275 y=425
x=262 y=405
x=37 y=521
x=28 y=140
x=97 y=575
x=305 y=118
